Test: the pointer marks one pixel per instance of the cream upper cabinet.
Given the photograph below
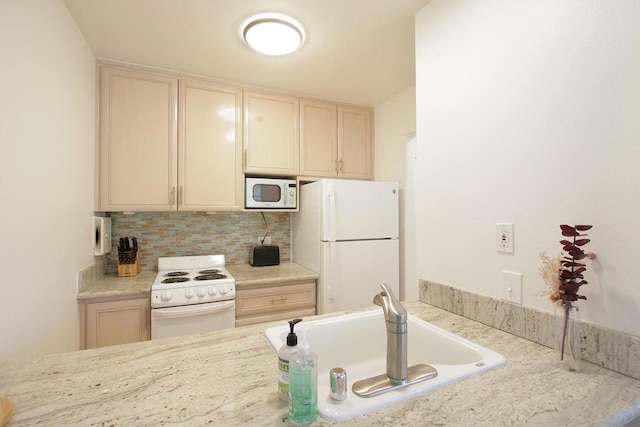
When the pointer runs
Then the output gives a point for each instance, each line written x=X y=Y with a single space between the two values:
x=355 y=142
x=209 y=147
x=318 y=139
x=336 y=140
x=271 y=136
x=168 y=143
x=138 y=140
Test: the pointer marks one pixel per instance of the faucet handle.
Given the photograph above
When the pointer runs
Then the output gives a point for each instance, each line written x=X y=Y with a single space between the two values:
x=394 y=311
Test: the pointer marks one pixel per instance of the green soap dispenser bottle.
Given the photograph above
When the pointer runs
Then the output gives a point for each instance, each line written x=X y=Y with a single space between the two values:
x=303 y=386
x=284 y=354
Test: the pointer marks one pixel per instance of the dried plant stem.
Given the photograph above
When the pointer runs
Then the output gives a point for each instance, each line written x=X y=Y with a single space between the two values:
x=566 y=307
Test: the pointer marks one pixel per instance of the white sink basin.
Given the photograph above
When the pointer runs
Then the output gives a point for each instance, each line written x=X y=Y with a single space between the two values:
x=358 y=344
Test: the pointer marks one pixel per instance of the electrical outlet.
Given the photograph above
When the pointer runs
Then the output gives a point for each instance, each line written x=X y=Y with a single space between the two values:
x=504 y=238
x=262 y=240
x=511 y=286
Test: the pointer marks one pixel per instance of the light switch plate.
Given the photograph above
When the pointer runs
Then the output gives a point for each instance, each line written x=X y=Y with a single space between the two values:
x=511 y=283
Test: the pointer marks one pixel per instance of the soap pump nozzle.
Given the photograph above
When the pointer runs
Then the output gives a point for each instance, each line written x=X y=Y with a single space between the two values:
x=292 y=338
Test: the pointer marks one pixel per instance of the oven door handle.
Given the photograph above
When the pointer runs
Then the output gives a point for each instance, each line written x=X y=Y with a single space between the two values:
x=192 y=310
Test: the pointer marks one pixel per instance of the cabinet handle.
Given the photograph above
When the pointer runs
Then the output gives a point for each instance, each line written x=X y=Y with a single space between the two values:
x=180 y=195
x=280 y=300
x=172 y=196
x=337 y=168
x=341 y=164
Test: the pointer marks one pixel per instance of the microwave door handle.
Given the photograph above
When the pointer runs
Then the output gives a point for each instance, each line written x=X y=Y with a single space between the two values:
x=190 y=310
x=284 y=198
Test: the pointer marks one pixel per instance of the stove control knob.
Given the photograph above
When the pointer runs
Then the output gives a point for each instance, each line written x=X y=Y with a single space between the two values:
x=213 y=291
x=189 y=293
x=166 y=296
x=202 y=292
x=224 y=290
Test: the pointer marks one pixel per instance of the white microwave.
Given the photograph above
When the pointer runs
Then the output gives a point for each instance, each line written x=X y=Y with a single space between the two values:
x=270 y=193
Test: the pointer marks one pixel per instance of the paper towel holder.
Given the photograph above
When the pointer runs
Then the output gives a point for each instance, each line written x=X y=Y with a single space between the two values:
x=101 y=235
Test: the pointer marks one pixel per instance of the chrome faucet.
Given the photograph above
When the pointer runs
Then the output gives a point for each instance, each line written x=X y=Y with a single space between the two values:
x=398 y=374
x=395 y=317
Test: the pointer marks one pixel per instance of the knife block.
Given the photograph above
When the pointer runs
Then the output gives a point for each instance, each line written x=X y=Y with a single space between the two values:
x=128 y=270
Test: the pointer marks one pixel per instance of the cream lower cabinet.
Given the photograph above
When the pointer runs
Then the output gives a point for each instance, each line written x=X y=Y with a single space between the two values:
x=336 y=140
x=168 y=143
x=271 y=136
x=276 y=302
x=112 y=321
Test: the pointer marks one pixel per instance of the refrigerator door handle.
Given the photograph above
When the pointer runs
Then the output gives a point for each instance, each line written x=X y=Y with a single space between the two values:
x=332 y=272
x=331 y=195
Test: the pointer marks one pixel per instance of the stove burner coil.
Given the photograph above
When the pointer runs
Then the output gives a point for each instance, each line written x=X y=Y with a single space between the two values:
x=176 y=280
x=211 y=271
x=214 y=276
x=176 y=274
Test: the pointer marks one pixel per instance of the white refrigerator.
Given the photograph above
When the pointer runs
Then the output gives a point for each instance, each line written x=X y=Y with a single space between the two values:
x=347 y=232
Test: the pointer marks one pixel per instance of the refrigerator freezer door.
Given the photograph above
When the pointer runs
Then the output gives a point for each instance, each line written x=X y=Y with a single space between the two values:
x=356 y=210
x=353 y=271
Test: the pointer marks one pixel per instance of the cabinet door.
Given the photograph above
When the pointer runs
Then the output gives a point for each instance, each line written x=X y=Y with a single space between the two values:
x=355 y=143
x=117 y=322
x=318 y=139
x=209 y=147
x=138 y=140
x=271 y=137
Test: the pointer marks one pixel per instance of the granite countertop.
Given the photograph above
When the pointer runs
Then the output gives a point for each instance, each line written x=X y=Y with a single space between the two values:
x=229 y=378
x=114 y=286
x=286 y=272
x=245 y=275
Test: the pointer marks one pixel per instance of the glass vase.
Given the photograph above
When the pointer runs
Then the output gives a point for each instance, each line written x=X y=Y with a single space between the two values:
x=567 y=327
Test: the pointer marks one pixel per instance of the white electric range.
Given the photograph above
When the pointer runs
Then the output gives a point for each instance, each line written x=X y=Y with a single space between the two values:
x=192 y=294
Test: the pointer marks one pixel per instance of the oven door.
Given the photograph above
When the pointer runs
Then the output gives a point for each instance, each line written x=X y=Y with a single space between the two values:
x=192 y=319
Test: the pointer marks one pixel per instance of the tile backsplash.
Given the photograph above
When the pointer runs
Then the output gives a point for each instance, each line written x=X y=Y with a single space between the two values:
x=197 y=233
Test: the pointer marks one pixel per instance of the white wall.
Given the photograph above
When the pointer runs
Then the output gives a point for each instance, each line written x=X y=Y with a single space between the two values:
x=46 y=174
x=528 y=113
x=394 y=119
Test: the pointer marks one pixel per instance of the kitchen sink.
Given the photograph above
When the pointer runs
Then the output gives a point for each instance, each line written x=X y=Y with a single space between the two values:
x=357 y=343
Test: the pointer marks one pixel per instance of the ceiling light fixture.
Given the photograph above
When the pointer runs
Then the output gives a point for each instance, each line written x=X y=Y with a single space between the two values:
x=273 y=34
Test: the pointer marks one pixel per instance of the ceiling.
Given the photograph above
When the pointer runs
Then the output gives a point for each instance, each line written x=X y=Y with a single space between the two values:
x=356 y=51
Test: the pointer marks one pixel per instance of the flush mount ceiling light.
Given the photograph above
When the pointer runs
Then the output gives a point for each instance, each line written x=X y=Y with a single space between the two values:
x=273 y=34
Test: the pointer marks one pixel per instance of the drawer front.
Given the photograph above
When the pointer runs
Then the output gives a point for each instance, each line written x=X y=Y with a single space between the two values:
x=271 y=317
x=251 y=302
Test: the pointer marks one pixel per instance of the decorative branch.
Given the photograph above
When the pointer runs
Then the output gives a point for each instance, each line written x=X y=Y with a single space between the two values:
x=571 y=273
x=571 y=277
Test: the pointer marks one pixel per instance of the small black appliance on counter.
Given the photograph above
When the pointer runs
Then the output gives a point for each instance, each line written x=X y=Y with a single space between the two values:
x=263 y=255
